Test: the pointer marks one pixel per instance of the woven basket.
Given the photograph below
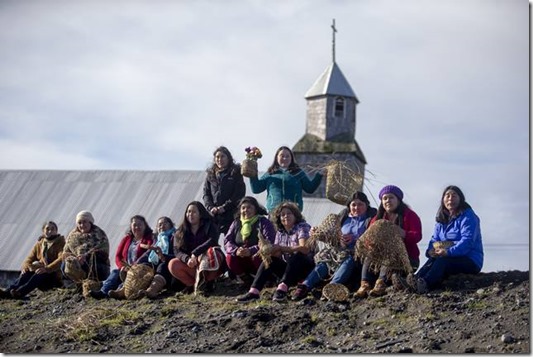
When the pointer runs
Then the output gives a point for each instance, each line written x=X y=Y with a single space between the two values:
x=341 y=182
x=382 y=244
x=89 y=285
x=73 y=269
x=138 y=278
x=335 y=292
x=329 y=231
x=249 y=168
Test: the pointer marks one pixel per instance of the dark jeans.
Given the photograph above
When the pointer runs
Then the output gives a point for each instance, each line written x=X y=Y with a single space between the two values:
x=291 y=272
x=29 y=281
x=435 y=270
x=161 y=268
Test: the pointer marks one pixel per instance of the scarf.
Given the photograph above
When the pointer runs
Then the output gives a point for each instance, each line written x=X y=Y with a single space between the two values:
x=247 y=224
x=163 y=242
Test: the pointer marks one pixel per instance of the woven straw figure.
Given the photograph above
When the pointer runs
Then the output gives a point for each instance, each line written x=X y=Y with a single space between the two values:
x=329 y=232
x=383 y=244
x=265 y=250
x=89 y=285
x=341 y=182
x=138 y=278
x=73 y=269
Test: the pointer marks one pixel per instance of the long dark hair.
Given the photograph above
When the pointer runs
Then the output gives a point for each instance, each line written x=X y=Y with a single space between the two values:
x=147 y=229
x=293 y=167
x=212 y=170
x=293 y=207
x=443 y=215
x=185 y=226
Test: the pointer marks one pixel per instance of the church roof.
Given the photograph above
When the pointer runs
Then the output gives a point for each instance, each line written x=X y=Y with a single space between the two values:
x=312 y=144
x=32 y=197
x=331 y=82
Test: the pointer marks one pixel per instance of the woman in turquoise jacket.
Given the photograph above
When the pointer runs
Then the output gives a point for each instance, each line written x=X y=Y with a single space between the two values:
x=455 y=247
x=284 y=181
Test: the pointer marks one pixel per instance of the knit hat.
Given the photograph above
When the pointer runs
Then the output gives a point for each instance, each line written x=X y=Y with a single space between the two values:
x=85 y=214
x=395 y=190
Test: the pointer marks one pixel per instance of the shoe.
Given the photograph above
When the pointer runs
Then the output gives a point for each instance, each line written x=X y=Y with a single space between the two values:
x=279 y=295
x=4 y=294
x=248 y=297
x=421 y=286
x=98 y=294
x=379 y=289
x=363 y=290
x=15 y=294
x=118 y=294
x=301 y=292
x=400 y=283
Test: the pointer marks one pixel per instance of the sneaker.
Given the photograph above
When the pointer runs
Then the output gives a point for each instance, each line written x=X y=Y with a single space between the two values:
x=98 y=294
x=279 y=295
x=300 y=293
x=247 y=298
x=421 y=286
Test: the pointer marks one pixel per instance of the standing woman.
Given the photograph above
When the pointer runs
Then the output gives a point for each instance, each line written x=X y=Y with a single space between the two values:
x=242 y=240
x=138 y=239
x=393 y=209
x=195 y=241
x=86 y=252
x=223 y=188
x=284 y=181
x=291 y=261
x=338 y=262
x=158 y=256
x=455 y=247
x=41 y=268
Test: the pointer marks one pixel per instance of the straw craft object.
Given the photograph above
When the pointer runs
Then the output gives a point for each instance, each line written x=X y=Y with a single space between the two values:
x=73 y=269
x=341 y=182
x=442 y=245
x=382 y=244
x=265 y=250
x=335 y=292
x=89 y=285
x=329 y=232
x=249 y=168
x=138 y=278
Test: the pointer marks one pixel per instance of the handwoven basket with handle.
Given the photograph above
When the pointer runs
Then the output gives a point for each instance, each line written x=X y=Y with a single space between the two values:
x=249 y=168
x=138 y=278
x=341 y=182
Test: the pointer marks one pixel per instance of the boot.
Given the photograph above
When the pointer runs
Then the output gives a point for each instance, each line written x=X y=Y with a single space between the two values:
x=380 y=288
x=158 y=283
x=118 y=294
x=363 y=290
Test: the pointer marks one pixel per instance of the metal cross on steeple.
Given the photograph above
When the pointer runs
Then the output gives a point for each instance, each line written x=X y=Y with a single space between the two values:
x=333 y=41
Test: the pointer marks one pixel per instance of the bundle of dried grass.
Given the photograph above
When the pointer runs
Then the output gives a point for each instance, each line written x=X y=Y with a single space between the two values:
x=342 y=182
x=335 y=292
x=383 y=244
x=329 y=232
x=265 y=250
x=138 y=278
x=249 y=168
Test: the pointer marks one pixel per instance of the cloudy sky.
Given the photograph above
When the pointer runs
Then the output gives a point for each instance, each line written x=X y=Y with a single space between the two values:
x=443 y=89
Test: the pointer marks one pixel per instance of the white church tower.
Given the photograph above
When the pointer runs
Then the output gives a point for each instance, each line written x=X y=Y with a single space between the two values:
x=331 y=122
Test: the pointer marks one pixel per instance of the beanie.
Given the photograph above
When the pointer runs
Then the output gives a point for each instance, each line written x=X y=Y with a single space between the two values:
x=85 y=214
x=391 y=189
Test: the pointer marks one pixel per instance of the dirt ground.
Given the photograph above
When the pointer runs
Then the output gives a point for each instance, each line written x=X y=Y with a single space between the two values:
x=487 y=313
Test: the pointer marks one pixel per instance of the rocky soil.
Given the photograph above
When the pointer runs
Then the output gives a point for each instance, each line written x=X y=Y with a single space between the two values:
x=487 y=313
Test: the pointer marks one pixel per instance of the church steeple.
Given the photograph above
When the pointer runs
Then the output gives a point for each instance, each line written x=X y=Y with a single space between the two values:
x=331 y=122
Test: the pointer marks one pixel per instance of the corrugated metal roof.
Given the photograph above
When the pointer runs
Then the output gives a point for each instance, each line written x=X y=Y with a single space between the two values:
x=331 y=82
x=28 y=198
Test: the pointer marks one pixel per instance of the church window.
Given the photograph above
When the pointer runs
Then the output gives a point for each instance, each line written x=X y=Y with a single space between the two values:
x=339 y=107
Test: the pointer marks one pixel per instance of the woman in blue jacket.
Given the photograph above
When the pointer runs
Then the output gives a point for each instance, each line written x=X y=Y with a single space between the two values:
x=455 y=247
x=284 y=181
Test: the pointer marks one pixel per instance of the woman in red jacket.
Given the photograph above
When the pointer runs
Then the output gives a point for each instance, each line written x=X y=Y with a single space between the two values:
x=138 y=239
x=393 y=209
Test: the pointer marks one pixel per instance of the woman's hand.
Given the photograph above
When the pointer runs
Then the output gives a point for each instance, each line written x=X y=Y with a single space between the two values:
x=277 y=250
x=41 y=270
x=243 y=252
x=441 y=252
x=192 y=262
x=346 y=239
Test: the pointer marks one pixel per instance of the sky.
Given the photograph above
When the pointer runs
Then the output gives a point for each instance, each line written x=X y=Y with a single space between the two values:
x=443 y=87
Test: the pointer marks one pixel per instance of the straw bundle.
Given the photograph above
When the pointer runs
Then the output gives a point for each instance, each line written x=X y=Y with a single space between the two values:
x=382 y=244
x=335 y=292
x=73 y=269
x=138 y=278
x=265 y=250
x=341 y=182
x=89 y=285
x=329 y=231
x=249 y=168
